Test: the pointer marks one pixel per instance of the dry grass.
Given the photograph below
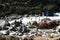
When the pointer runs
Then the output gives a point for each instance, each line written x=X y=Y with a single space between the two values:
x=46 y=38
x=33 y=38
x=3 y=37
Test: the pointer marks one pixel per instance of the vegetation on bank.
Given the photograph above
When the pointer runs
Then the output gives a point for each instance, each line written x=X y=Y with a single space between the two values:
x=28 y=6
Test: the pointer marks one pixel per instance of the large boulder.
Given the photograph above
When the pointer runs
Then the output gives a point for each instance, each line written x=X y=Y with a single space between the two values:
x=3 y=23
